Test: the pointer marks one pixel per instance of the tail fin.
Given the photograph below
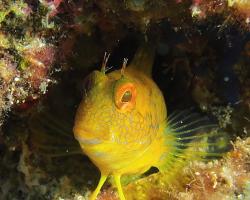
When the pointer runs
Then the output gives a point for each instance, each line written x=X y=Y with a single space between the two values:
x=189 y=137
x=144 y=59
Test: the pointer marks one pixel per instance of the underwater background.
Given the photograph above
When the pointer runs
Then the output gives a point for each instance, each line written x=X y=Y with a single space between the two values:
x=48 y=47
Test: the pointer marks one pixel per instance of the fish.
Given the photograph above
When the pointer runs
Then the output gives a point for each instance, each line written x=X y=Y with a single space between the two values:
x=122 y=124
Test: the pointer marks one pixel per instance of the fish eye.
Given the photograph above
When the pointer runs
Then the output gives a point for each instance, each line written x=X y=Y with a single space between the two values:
x=87 y=84
x=125 y=96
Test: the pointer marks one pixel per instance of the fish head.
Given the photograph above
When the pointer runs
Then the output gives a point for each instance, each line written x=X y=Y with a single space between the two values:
x=118 y=107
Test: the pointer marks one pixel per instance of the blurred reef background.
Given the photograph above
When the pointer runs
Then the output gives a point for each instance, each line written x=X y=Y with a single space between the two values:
x=47 y=47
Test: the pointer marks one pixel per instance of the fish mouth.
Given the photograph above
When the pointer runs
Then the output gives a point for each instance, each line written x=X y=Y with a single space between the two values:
x=86 y=138
x=93 y=141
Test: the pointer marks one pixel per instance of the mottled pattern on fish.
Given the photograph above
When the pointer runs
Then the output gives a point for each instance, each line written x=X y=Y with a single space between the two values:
x=122 y=126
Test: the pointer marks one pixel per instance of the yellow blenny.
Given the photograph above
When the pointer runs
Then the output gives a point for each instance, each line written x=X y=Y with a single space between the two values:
x=122 y=126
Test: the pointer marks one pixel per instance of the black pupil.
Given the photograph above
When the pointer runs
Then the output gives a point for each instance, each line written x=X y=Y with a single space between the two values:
x=127 y=96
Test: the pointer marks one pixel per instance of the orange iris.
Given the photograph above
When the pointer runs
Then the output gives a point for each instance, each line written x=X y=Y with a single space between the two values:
x=125 y=97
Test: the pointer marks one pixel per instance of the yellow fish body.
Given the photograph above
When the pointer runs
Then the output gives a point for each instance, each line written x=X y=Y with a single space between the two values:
x=121 y=123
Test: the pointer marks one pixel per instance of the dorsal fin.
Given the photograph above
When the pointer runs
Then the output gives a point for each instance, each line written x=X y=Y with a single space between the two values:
x=144 y=59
